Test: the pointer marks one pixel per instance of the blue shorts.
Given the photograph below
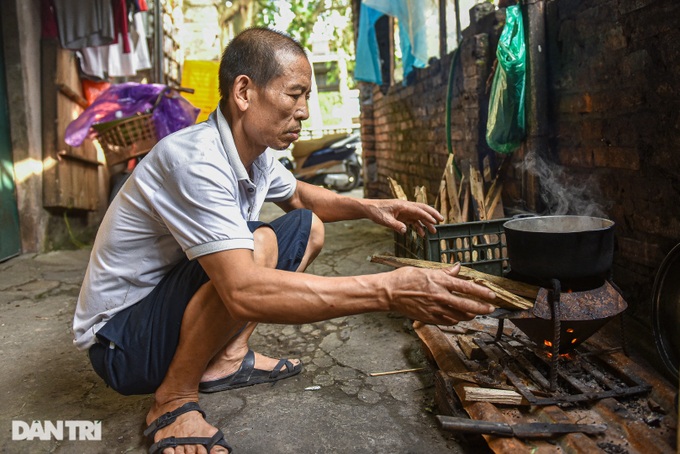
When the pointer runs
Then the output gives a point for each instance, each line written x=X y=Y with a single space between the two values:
x=134 y=348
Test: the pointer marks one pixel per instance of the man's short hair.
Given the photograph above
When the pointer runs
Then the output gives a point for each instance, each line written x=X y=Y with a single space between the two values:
x=253 y=53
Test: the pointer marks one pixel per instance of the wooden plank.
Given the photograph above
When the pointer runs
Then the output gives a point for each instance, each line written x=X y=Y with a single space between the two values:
x=71 y=182
x=627 y=431
x=438 y=346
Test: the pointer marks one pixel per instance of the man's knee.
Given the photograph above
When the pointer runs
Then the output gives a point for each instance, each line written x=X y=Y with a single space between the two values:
x=266 y=247
x=317 y=236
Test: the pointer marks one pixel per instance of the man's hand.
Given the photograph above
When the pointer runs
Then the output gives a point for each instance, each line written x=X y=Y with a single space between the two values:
x=397 y=214
x=436 y=296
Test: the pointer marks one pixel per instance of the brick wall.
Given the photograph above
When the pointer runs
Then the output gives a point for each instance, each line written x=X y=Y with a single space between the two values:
x=614 y=93
x=614 y=124
x=404 y=130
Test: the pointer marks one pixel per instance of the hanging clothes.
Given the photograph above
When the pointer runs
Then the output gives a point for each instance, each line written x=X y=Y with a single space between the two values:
x=139 y=6
x=112 y=61
x=367 y=66
x=120 y=23
x=410 y=15
x=48 y=20
x=84 y=24
x=142 y=59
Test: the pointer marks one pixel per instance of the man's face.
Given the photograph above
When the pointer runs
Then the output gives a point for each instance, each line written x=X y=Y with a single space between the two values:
x=276 y=111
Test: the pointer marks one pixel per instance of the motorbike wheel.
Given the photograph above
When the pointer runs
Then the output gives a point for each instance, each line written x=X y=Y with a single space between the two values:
x=354 y=174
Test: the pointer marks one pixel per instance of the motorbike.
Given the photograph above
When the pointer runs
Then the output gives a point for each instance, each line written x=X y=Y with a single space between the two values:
x=333 y=163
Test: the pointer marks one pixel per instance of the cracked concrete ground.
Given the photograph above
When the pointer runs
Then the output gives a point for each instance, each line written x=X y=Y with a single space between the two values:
x=334 y=405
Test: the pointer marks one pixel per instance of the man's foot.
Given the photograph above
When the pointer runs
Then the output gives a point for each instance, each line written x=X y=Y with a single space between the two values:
x=173 y=426
x=253 y=369
x=231 y=360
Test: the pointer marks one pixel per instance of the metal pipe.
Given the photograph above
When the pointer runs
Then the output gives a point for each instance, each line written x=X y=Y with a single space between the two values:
x=459 y=33
x=158 y=42
x=537 y=99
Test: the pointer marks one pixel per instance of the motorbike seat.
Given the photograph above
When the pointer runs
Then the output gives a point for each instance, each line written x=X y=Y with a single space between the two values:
x=304 y=148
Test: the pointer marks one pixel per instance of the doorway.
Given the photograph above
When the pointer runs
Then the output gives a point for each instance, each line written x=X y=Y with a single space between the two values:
x=10 y=239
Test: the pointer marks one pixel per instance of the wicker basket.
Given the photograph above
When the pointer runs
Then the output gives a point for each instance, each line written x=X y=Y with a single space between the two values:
x=126 y=138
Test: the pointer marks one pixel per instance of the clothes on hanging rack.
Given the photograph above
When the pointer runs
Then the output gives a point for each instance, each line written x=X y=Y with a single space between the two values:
x=109 y=36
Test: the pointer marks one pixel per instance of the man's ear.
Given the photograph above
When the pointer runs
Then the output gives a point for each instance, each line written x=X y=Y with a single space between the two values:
x=242 y=91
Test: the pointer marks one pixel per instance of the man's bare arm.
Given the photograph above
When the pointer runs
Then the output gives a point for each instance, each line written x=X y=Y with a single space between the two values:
x=254 y=293
x=395 y=214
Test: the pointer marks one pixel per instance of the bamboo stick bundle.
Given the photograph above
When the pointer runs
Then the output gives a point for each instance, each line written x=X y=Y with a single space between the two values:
x=510 y=294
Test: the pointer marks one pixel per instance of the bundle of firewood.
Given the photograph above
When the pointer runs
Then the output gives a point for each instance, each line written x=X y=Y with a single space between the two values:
x=460 y=199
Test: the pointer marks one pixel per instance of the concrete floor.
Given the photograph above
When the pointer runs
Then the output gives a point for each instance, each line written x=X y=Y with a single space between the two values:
x=332 y=406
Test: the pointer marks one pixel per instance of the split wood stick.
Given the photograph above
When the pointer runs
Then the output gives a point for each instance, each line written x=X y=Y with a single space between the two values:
x=452 y=193
x=509 y=294
x=443 y=201
x=470 y=348
x=477 y=192
x=392 y=372
x=395 y=188
x=465 y=198
x=437 y=202
x=495 y=396
x=494 y=202
x=421 y=194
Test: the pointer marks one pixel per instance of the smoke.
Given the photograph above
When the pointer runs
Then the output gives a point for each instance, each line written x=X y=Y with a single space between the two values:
x=564 y=193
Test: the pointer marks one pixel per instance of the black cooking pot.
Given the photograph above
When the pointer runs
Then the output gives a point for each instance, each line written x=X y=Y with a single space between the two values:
x=568 y=248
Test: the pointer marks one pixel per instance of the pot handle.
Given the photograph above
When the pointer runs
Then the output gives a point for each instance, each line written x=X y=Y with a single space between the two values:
x=524 y=215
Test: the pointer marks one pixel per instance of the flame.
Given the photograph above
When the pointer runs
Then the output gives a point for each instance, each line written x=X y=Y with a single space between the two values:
x=548 y=343
x=570 y=330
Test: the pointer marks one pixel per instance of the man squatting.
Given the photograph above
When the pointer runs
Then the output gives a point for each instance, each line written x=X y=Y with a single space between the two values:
x=181 y=269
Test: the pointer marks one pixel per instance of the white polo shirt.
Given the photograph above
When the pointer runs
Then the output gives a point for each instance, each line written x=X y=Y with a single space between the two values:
x=190 y=196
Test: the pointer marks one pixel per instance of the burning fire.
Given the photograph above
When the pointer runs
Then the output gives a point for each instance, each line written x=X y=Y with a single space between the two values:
x=549 y=344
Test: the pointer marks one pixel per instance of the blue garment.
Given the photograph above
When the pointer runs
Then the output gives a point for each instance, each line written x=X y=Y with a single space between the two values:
x=412 y=37
x=367 y=66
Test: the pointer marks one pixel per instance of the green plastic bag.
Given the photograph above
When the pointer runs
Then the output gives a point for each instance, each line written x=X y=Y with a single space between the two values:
x=506 y=125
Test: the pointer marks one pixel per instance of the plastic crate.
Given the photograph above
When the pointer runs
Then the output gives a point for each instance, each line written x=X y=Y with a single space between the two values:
x=479 y=245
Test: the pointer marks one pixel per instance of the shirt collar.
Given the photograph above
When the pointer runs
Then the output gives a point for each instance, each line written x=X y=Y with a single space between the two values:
x=230 y=147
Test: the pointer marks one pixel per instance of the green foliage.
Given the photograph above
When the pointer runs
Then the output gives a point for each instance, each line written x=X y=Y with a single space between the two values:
x=266 y=12
x=327 y=102
x=306 y=13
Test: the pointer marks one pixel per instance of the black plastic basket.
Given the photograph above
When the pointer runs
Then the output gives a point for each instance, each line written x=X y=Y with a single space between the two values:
x=479 y=245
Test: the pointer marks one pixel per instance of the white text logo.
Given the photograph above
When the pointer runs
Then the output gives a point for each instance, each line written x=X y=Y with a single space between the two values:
x=58 y=430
